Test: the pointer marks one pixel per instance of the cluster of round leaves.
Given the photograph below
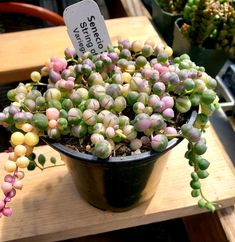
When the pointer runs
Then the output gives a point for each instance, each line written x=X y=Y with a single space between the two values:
x=196 y=148
x=20 y=157
x=131 y=94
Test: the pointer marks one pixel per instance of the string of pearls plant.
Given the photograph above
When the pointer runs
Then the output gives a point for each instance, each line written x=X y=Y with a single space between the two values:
x=135 y=94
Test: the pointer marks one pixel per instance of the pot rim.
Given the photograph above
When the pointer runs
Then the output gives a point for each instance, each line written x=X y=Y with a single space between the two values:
x=124 y=159
x=179 y=22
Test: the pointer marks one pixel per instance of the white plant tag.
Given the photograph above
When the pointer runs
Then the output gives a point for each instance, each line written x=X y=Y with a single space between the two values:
x=86 y=27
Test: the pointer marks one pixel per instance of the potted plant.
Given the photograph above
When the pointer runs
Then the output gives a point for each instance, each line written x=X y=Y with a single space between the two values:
x=164 y=14
x=206 y=33
x=111 y=115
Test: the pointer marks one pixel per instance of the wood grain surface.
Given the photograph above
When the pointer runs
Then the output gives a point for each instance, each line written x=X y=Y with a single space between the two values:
x=227 y=219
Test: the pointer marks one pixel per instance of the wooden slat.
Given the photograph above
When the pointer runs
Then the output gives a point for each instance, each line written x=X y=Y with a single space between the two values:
x=135 y=8
x=116 y=9
x=204 y=228
x=227 y=219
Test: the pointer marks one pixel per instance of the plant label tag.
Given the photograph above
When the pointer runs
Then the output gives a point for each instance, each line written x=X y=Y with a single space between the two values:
x=86 y=27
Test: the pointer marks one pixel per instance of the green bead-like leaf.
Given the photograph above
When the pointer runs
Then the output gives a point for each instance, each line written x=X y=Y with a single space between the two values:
x=32 y=156
x=185 y=129
x=195 y=193
x=202 y=203
x=191 y=155
x=203 y=164
x=202 y=174
x=191 y=163
x=208 y=96
x=200 y=148
x=186 y=155
x=55 y=104
x=42 y=159
x=31 y=165
x=210 y=207
x=183 y=104
x=11 y=95
x=40 y=121
x=195 y=184
x=53 y=160
x=194 y=176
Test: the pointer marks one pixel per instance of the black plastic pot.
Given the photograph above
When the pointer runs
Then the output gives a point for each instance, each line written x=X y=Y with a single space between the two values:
x=164 y=21
x=212 y=59
x=117 y=183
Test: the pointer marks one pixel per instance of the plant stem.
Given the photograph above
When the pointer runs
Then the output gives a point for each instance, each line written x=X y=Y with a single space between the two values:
x=174 y=135
x=43 y=168
x=72 y=59
x=120 y=134
x=53 y=166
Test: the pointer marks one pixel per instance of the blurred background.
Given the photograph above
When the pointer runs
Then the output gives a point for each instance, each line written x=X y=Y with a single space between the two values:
x=8 y=20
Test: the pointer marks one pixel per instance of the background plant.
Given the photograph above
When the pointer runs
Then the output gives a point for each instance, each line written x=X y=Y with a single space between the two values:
x=134 y=96
x=211 y=24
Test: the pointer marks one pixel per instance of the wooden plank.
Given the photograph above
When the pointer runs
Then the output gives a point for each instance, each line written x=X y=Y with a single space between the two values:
x=135 y=8
x=227 y=219
x=204 y=227
x=25 y=51
x=50 y=209
x=171 y=230
x=116 y=9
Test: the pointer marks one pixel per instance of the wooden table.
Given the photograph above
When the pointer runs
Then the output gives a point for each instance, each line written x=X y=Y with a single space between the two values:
x=50 y=209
